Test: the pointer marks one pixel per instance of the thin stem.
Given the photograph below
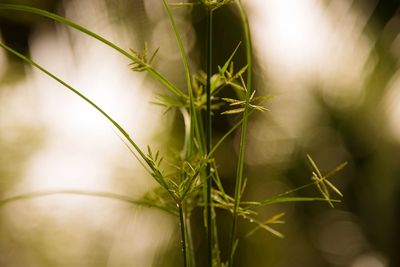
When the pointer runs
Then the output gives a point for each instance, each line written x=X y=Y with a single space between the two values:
x=183 y=234
x=243 y=138
x=159 y=77
x=108 y=117
x=193 y=115
x=108 y=195
x=209 y=138
x=117 y=125
x=186 y=122
x=225 y=136
x=189 y=241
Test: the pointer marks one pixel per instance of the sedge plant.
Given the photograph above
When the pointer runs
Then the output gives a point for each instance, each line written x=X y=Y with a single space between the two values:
x=194 y=181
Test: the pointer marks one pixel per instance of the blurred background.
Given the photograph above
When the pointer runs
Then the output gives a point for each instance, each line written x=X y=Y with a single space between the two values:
x=332 y=67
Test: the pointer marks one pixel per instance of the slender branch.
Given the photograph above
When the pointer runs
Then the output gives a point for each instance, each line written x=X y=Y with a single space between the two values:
x=159 y=77
x=270 y=201
x=193 y=115
x=117 y=125
x=243 y=138
x=223 y=138
x=209 y=138
x=107 y=195
x=189 y=241
x=183 y=233
x=187 y=139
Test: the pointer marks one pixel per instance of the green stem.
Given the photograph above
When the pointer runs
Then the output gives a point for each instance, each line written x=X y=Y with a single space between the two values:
x=243 y=138
x=209 y=138
x=193 y=114
x=189 y=241
x=118 y=126
x=183 y=233
x=78 y=27
x=108 y=195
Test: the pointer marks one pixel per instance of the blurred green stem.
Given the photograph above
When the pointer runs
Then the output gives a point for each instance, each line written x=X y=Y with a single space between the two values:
x=108 y=195
x=78 y=27
x=182 y=224
x=194 y=126
x=209 y=137
x=243 y=137
x=189 y=239
x=69 y=87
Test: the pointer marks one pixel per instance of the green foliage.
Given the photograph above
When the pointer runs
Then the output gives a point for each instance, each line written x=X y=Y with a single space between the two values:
x=142 y=62
x=192 y=179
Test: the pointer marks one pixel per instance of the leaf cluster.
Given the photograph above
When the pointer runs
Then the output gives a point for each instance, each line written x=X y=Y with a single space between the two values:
x=191 y=179
x=142 y=62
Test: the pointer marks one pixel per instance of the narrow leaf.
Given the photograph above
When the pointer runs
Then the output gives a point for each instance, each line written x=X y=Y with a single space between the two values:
x=314 y=166
x=233 y=111
x=228 y=62
x=334 y=188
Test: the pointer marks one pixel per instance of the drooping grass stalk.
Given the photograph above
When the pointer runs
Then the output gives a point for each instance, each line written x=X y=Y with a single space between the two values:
x=243 y=137
x=107 y=195
x=159 y=77
x=142 y=155
x=208 y=201
x=117 y=125
x=128 y=138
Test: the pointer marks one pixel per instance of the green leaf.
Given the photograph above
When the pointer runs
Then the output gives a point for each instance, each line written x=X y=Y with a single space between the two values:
x=276 y=218
x=314 y=166
x=231 y=100
x=265 y=226
x=228 y=62
x=336 y=170
x=276 y=200
x=141 y=63
x=233 y=111
x=333 y=188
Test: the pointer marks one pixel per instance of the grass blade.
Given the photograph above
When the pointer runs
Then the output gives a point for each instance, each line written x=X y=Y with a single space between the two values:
x=314 y=166
x=336 y=170
x=334 y=188
x=228 y=62
x=276 y=200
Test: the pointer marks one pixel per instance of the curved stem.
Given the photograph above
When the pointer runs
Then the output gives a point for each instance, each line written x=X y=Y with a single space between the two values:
x=193 y=114
x=108 y=195
x=90 y=102
x=159 y=77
